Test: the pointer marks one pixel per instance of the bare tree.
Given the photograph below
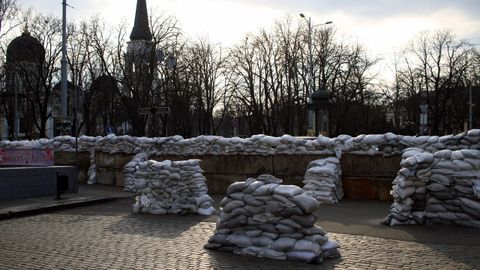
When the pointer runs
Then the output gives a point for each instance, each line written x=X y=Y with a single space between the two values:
x=8 y=16
x=206 y=63
x=271 y=76
x=434 y=69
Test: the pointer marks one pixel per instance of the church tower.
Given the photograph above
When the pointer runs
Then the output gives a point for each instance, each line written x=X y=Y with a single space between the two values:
x=140 y=70
x=140 y=56
x=141 y=29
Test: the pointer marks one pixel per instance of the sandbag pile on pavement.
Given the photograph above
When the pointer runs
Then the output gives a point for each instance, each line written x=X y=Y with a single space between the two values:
x=263 y=218
x=453 y=188
x=409 y=188
x=92 y=169
x=323 y=180
x=129 y=171
x=173 y=187
x=437 y=188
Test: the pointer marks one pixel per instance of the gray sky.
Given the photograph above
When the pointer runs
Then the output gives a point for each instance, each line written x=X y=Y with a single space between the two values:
x=383 y=26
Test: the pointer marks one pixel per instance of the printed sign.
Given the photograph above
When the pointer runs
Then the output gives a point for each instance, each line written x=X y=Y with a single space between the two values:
x=26 y=157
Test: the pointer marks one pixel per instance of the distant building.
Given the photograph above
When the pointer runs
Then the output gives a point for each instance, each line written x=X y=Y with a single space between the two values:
x=24 y=68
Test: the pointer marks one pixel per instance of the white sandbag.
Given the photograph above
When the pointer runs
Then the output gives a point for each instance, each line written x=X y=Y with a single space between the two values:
x=206 y=211
x=424 y=158
x=240 y=240
x=288 y=190
x=273 y=254
x=471 y=203
x=306 y=245
x=306 y=203
x=329 y=245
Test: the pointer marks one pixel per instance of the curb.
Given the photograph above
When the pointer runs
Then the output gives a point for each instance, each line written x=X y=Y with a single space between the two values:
x=53 y=207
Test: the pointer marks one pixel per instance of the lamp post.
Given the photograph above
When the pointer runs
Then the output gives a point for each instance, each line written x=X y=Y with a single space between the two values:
x=470 y=107
x=311 y=84
x=64 y=60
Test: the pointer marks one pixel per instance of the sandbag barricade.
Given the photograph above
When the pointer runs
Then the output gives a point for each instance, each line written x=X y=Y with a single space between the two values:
x=171 y=187
x=261 y=217
x=323 y=180
x=129 y=171
x=437 y=188
x=371 y=144
x=92 y=169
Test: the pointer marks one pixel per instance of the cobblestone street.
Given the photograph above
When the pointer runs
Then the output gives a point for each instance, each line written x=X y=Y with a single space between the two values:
x=98 y=237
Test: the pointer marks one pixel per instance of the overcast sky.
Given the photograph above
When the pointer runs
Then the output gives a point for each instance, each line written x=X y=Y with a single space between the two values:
x=383 y=26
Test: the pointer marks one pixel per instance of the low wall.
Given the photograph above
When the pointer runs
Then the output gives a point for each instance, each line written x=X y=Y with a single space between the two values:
x=27 y=182
x=220 y=171
x=369 y=176
x=68 y=159
x=364 y=177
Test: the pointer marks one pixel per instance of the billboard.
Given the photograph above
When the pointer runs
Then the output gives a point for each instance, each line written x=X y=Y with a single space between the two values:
x=26 y=157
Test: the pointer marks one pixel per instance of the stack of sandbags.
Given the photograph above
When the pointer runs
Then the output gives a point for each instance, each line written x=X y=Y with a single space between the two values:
x=212 y=145
x=409 y=188
x=261 y=217
x=129 y=171
x=92 y=170
x=87 y=143
x=114 y=144
x=323 y=180
x=452 y=189
x=437 y=188
x=174 y=187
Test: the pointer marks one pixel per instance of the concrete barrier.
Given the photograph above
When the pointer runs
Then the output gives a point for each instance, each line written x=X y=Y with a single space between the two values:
x=28 y=182
x=369 y=177
x=68 y=159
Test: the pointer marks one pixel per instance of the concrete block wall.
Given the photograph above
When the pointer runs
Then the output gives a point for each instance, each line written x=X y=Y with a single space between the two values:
x=369 y=177
x=68 y=159
x=27 y=182
x=364 y=177
x=110 y=168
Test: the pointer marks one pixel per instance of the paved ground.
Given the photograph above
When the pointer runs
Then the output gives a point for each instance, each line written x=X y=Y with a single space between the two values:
x=87 y=194
x=363 y=217
x=109 y=236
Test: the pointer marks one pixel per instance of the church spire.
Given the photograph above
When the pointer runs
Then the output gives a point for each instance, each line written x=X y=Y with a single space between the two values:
x=141 y=29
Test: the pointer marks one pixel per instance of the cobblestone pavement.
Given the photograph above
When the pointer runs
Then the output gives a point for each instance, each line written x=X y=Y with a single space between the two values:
x=102 y=240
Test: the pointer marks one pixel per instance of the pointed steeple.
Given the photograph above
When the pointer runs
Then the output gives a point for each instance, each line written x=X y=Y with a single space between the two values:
x=141 y=29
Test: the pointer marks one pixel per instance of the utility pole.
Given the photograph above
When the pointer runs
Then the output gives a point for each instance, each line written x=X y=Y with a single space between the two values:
x=311 y=84
x=64 y=61
x=15 y=106
x=310 y=57
x=310 y=87
x=470 y=108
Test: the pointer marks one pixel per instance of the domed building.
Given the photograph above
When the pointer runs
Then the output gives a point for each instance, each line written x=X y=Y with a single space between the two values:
x=24 y=67
x=25 y=48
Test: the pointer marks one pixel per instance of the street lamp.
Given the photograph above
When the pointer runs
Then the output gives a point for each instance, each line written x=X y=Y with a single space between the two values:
x=311 y=85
